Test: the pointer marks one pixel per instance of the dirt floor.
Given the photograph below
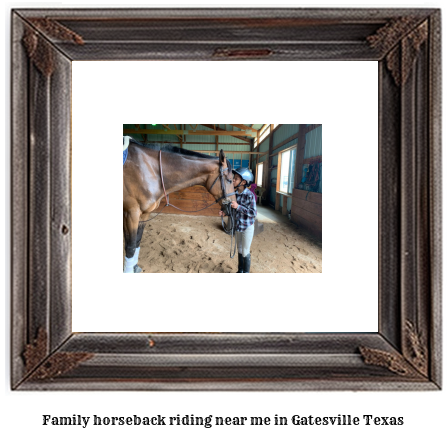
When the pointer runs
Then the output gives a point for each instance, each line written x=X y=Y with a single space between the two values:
x=183 y=244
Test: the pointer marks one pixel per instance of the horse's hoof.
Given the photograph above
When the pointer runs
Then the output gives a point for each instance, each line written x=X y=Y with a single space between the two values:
x=137 y=269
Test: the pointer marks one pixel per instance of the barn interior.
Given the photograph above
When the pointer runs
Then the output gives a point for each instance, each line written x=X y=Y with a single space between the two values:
x=286 y=161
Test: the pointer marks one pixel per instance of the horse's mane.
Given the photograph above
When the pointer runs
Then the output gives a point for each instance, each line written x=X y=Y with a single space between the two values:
x=167 y=147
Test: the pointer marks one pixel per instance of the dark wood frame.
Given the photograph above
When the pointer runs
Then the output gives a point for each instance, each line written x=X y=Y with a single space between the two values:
x=405 y=354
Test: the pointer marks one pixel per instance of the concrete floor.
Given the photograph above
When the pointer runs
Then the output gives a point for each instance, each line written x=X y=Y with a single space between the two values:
x=270 y=215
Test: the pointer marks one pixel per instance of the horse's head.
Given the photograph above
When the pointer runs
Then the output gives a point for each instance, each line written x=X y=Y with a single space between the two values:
x=222 y=187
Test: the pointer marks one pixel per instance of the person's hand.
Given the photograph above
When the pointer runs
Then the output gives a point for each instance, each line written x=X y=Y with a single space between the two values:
x=234 y=204
x=221 y=213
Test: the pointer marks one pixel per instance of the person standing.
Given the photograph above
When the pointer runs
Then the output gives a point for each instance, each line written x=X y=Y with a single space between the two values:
x=245 y=206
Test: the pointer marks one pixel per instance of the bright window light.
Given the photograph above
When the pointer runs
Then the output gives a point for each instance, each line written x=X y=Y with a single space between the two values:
x=287 y=171
x=264 y=133
x=259 y=171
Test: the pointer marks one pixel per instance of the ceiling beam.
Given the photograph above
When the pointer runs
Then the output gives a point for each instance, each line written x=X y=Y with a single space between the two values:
x=244 y=127
x=167 y=127
x=203 y=142
x=232 y=152
x=186 y=132
x=232 y=133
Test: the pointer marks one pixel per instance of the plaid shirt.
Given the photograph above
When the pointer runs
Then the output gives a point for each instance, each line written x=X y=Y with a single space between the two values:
x=246 y=211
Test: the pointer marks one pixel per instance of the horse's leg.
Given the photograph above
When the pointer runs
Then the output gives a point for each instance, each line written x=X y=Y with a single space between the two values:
x=131 y=226
x=140 y=230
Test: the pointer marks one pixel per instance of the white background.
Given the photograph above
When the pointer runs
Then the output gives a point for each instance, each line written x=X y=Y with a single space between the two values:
x=21 y=413
x=343 y=298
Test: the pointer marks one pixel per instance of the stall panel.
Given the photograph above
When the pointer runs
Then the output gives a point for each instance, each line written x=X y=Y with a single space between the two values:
x=307 y=211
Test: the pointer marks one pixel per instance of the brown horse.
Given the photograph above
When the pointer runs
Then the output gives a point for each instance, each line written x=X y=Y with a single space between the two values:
x=149 y=175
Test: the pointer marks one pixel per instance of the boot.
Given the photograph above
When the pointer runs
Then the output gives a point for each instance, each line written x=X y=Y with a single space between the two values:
x=247 y=260
x=240 y=264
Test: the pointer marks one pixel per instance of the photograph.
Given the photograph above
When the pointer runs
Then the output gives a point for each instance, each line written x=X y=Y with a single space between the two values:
x=356 y=349
x=218 y=189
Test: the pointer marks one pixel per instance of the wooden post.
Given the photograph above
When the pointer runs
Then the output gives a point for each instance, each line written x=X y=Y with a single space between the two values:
x=278 y=173
x=249 y=157
x=277 y=201
x=284 y=205
x=269 y=167
x=278 y=185
x=300 y=154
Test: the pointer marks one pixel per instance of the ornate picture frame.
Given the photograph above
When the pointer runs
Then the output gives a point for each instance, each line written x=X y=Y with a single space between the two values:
x=405 y=353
